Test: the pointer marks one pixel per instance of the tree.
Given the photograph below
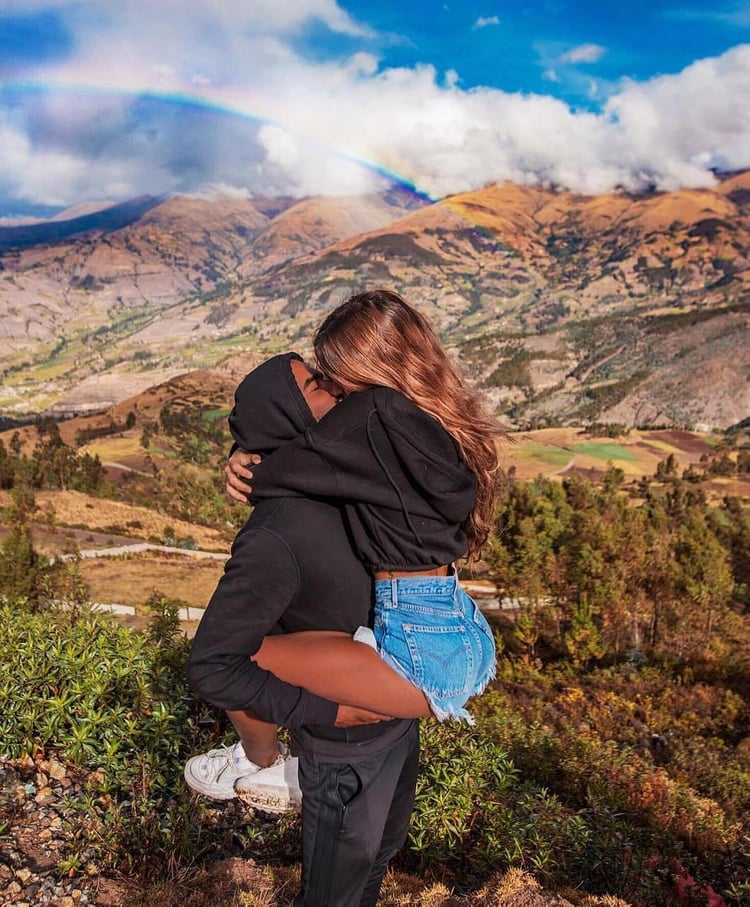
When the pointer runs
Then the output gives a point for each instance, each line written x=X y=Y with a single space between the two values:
x=583 y=641
x=7 y=468
x=703 y=577
x=666 y=469
x=20 y=565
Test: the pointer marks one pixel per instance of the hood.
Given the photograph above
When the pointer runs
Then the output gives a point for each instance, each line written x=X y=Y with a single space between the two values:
x=269 y=408
x=429 y=456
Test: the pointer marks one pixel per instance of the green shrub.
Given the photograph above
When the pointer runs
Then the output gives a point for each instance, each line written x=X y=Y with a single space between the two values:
x=104 y=697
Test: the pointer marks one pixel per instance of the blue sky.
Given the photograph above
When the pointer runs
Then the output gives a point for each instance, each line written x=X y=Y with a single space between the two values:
x=513 y=46
x=113 y=98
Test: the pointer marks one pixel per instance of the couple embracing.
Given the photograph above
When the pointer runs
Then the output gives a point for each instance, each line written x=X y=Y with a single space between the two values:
x=339 y=615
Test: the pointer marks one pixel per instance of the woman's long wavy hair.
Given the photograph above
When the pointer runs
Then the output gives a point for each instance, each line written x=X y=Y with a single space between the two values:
x=376 y=338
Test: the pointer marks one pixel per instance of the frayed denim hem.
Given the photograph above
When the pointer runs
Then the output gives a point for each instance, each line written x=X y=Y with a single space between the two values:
x=450 y=713
x=441 y=711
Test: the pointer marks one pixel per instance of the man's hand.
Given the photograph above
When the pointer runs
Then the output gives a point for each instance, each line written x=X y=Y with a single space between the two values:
x=351 y=716
x=237 y=474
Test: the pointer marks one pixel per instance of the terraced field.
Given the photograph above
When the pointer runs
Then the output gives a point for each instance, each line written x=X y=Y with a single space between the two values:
x=555 y=451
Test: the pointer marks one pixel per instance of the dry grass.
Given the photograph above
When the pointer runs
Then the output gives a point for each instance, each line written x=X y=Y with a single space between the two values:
x=240 y=883
x=130 y=580
x=98 y=514
x=514 y=888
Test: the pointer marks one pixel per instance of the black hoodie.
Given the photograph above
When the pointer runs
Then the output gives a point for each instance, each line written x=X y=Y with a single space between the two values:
x=292 y=568
x=406 y=490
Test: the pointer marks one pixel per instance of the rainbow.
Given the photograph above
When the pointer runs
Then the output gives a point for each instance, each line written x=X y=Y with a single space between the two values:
x=223 y=101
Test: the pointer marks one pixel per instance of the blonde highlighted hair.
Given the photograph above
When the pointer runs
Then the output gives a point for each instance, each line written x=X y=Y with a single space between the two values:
x=376 y=338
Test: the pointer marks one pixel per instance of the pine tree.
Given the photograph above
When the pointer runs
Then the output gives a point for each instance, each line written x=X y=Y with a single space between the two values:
x=20 y=565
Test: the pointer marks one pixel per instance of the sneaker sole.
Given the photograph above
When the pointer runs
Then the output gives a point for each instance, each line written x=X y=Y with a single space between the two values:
x=269 y=803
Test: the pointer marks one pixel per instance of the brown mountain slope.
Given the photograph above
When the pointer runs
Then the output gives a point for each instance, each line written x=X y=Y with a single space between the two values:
x=178 y=249
x=315 y=223
x=543 y=257
x=511 y=275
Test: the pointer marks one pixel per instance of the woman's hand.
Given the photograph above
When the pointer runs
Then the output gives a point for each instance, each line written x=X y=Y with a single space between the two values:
x=238 y=475
x=351 y=716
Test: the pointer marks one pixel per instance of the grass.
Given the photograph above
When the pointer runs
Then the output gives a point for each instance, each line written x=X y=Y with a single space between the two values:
x=109 y=449
x=663 y=445
x=128 y=580
x=536 y=451
x=169 y=454
x=543 y=453
x=603 y=450
x=72 y=508
x=213 y=415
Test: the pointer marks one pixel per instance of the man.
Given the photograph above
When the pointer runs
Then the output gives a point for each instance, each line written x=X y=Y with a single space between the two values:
x=292 y=568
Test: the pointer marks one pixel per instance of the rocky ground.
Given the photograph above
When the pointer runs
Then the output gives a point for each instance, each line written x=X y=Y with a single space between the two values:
x=40 y=822
x=35 y=830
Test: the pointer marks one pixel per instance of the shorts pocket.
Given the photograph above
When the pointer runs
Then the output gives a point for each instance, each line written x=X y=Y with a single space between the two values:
x=442 y=658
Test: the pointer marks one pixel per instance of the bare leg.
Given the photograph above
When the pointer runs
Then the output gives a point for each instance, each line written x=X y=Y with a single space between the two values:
x=332 y=665
x=258 y=737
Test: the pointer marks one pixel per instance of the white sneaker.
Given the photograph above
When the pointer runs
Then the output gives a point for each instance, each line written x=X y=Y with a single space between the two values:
x=213 y=773
x=274 y=789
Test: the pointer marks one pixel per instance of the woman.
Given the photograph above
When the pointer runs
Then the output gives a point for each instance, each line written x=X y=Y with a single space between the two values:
x=411 y=457
x=293 y=568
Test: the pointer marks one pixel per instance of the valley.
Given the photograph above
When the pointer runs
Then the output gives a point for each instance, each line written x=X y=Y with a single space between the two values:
x=566 y=309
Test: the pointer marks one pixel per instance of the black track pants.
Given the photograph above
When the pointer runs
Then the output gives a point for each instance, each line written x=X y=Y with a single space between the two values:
x=355 y=817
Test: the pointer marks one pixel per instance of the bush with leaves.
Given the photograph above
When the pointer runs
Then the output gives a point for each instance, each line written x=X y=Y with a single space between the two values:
x=113 y=701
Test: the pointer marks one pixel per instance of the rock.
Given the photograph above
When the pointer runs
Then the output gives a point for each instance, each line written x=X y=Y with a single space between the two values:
x=23 y=875
x=57 y=770
x=44 y=795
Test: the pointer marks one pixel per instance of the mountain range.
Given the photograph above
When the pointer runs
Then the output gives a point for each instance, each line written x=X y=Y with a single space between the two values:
x=564 y=308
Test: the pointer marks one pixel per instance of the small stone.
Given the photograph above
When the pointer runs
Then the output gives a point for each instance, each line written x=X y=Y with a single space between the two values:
x=41 y=779
x=13 y=888
x=76 y=894
x=44 y=795
x=55 y=823
x=66 y=902
x=23 y=875
x=44 y=835
x=57 y=770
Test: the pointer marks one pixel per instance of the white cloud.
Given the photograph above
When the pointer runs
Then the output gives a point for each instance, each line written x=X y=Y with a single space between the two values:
x=299 y=126
x=486 y=21
x=584 y=53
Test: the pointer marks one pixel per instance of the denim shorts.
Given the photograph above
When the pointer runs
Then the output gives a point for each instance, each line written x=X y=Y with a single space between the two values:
x=433 y=634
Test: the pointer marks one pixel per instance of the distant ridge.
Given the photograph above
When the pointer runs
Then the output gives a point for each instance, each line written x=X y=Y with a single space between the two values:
x=564 y=309
x=107 y=220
